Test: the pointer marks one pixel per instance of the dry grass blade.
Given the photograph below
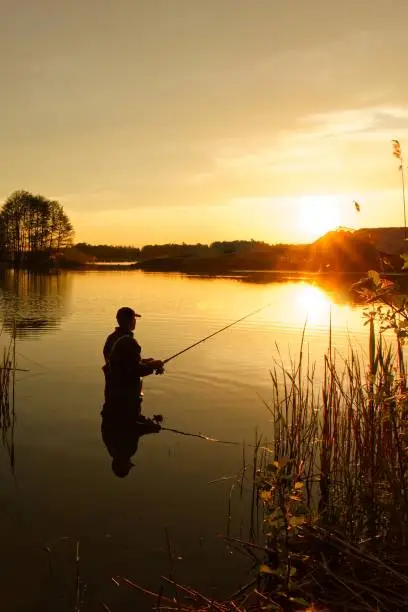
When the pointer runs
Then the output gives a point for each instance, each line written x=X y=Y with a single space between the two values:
x=146 y=591
x=192 y=593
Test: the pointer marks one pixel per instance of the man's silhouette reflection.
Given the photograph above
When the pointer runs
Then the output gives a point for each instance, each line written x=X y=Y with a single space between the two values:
x=122 y=426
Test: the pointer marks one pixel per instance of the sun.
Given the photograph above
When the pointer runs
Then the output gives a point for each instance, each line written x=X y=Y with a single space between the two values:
x=317 y=215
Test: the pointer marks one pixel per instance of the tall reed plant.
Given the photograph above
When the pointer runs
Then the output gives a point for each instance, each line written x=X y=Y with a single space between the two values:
x=333 y=480
x=7 y=404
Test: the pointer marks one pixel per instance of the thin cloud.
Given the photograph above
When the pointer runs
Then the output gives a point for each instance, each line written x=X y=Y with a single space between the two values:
x=362 y=123
x=318 y=143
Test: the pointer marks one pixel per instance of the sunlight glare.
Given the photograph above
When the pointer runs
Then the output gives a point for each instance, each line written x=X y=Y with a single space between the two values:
x=317 y=215
x=314 y=305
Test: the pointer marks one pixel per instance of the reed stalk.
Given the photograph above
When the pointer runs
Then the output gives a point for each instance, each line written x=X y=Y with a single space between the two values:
x=7 y=398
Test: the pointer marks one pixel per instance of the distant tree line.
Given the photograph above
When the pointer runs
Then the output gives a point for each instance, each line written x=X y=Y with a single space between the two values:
x=238 y=248
x=151 y=251
x=337 y=251
x=33 y=229
x=108 y=252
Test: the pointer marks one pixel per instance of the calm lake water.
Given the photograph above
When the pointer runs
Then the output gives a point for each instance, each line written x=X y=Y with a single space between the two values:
x=63 y=489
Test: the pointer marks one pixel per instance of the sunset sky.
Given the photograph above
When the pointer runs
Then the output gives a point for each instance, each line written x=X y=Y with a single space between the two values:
x=202 y=120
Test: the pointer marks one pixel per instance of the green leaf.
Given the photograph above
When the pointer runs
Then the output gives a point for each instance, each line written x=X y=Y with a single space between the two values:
x=299 y=485
x=265 y=569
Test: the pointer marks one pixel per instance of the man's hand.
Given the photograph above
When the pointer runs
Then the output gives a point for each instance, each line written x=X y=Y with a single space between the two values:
x=159 y=367
x=155 y=364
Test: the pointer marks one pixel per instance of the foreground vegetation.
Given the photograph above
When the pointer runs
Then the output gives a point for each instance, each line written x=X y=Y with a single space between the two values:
x=332 y=482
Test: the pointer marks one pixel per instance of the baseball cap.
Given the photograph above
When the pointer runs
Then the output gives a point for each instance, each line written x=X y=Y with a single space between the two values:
x=126 y=313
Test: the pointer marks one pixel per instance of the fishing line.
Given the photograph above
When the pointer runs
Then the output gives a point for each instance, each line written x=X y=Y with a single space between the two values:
x=37 y=363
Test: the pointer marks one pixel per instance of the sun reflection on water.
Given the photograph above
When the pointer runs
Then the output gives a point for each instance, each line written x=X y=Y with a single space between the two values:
x=296 y=304
x=313 y=305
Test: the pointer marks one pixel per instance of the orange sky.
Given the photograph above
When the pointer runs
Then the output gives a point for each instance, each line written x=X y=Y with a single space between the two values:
x=185 y=120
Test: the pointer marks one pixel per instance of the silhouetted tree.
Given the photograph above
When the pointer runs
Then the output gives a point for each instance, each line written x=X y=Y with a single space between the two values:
x=33 y=227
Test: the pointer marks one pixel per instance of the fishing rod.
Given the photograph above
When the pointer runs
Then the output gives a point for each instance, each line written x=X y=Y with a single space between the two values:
x=215 y=333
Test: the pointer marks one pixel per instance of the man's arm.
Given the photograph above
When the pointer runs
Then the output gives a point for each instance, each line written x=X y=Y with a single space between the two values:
x=106 y=349
x=143 y=367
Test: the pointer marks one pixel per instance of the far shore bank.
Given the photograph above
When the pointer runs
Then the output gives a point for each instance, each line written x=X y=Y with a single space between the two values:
x=194 y=270
x=201 y=268
x=251 y=274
